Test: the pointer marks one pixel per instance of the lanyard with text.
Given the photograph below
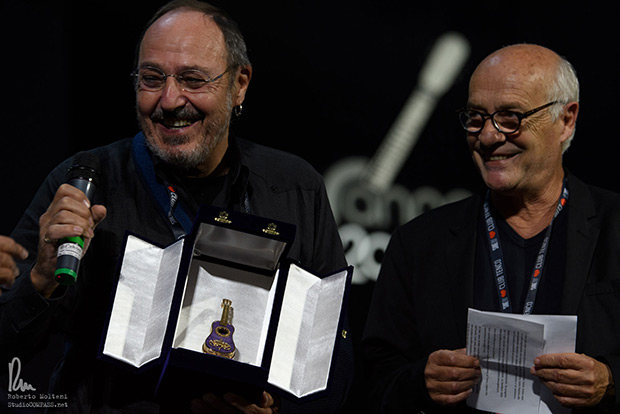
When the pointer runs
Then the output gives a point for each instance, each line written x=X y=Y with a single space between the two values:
x=497 y=258
x=177 y=227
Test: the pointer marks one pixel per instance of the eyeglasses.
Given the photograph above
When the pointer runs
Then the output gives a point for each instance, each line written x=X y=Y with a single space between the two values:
x=153 y=79
x=506 y=122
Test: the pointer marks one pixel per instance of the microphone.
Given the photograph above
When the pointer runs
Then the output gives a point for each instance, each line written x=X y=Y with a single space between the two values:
x=83 y=175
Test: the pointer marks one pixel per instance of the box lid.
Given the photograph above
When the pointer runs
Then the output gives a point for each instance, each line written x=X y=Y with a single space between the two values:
x=163 y=293
x=241 y=239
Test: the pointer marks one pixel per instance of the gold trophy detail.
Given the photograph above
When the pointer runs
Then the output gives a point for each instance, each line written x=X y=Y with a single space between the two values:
x=220 y=340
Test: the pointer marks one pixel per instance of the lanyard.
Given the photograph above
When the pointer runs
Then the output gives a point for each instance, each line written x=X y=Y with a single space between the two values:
x=164 y=194
x=497 y=258
x=177 y=215
x=177 y=227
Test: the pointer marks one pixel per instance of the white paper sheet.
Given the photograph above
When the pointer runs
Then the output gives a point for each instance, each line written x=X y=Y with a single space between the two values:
x=507 y=345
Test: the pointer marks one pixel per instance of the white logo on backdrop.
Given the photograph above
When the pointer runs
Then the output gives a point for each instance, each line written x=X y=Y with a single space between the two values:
x=362 y=191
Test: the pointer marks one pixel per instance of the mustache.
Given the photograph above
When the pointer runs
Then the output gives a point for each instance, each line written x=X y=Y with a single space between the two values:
x=184 y=113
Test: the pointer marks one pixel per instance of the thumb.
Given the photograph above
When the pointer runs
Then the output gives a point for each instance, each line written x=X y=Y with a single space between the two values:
x=266 y=400
x=99 y=213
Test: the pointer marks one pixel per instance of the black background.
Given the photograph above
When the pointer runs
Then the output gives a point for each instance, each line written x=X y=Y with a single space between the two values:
x=329 y=79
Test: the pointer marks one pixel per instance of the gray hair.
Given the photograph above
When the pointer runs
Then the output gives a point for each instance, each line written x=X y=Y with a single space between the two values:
x=564 y=89
x=235 y=43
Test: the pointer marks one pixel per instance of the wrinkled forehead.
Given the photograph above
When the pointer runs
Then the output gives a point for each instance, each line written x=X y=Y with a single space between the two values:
x=524 y=73
x=184 y=37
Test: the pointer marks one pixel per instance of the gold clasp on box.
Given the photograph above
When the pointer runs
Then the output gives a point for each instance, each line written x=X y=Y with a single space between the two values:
x=223 y=218
x=271 y=229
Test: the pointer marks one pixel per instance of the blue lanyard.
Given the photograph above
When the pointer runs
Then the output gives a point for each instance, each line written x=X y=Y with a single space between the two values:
x=497 y=258
x=163 y=195
x=177 y=228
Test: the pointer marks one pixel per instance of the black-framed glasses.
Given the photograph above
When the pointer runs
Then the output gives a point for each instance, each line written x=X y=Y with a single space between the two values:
x=153 y=79
x=506 y=122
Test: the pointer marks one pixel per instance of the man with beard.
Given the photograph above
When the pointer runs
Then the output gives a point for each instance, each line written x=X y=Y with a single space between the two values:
x=192 y=74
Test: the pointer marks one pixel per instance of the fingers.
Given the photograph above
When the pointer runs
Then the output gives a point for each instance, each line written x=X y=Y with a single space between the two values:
x=454 y=364
x=12 y=248
x=69 y=215
x=10 y=251
x=569 y=368
x=575 y=380
x=99 y=213
x=450 y=376
x=266 y=400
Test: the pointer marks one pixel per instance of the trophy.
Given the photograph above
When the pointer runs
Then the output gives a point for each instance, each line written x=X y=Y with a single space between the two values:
x=220 y=340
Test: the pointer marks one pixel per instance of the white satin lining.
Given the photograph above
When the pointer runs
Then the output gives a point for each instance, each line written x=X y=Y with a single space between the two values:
x=142 y=303
x=307 y=331
x=307 y=328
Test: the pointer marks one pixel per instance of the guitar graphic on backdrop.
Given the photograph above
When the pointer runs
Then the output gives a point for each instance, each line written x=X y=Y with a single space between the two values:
x=220 y=341
x=366 y=200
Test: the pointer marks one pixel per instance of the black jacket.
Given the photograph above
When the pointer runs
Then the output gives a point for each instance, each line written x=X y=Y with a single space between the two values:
x=262 y=181
x=426 y=285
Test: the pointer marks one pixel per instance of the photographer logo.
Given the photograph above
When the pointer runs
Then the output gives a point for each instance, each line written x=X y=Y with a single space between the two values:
x=15 y=382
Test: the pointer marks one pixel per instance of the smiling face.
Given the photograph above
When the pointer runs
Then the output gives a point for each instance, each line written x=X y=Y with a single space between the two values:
x=530 y=160
x=188 y=130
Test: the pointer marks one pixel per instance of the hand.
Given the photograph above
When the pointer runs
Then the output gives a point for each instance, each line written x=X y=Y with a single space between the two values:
x=69 y=215
x=450 y=376
x=233 y=403
x=576 y=380
x=10 y=250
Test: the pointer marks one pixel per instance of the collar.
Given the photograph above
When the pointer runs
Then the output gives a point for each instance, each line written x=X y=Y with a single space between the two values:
x=158 y=179
x=239 y=173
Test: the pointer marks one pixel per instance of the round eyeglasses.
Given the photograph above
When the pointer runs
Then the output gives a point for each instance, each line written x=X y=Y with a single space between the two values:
x=153 y=79
x=506 y=122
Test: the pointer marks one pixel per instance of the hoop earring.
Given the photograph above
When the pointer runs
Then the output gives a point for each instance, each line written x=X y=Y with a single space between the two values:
x=237 y=110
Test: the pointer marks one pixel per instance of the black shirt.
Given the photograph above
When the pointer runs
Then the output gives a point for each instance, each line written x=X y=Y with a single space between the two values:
x=265 y=181
x=519 y=257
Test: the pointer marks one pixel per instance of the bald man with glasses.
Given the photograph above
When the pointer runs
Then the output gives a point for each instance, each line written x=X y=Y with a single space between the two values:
x=519 y=120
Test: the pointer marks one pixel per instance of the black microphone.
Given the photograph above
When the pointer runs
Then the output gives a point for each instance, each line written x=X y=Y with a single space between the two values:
x=83 y=175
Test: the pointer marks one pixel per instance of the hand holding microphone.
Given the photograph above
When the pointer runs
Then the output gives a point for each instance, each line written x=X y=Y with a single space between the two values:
x=67 y=226
x=83 y=175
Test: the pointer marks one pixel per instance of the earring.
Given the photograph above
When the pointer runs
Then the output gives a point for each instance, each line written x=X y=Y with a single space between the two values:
x=237 y=110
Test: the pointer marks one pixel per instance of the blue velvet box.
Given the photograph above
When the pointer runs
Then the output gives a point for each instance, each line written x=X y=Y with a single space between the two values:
x=287 y=320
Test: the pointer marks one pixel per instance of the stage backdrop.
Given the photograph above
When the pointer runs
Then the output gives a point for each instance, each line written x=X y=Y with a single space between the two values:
x=365 y=90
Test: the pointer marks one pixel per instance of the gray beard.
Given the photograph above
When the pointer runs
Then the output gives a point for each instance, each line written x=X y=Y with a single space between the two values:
x=189 y=162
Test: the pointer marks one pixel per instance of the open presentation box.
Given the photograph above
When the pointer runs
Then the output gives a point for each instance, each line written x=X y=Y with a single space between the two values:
x=286 y=319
